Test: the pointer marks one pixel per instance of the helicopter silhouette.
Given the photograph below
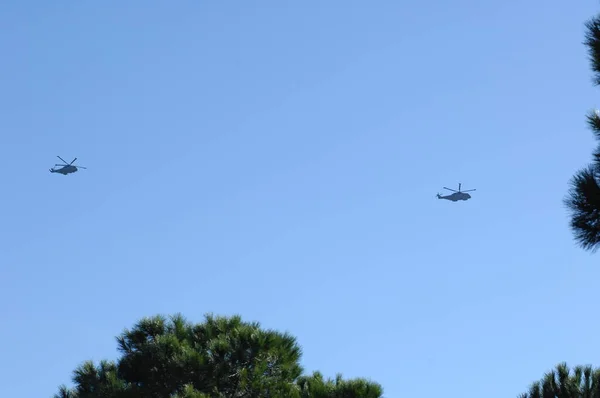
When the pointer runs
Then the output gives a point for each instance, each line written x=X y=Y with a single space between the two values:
x=457 y=195
x=66 y=168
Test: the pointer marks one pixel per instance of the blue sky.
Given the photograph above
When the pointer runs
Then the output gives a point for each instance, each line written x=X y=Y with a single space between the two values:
x=280 y=160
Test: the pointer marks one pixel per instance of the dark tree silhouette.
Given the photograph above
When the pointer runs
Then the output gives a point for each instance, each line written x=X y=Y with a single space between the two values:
x=580 y=382
x=583 y=199
x=220 y=357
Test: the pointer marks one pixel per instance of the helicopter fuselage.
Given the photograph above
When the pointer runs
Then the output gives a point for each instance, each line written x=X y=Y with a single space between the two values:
x=64 y=170
x=456 y=196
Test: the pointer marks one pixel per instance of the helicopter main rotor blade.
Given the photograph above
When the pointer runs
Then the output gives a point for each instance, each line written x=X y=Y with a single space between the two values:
x=61 y=164
x=450 y=189
x=81 y=167
x=470 y=190
x=72 y=161
x=62 y=159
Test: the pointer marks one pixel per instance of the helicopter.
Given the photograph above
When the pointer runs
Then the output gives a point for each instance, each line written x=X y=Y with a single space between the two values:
x=457 y=195
x=66 y=168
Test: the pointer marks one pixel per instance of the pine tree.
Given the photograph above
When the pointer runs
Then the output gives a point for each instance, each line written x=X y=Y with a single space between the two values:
x=580 y=382
x=220 y=357
x=583 y=199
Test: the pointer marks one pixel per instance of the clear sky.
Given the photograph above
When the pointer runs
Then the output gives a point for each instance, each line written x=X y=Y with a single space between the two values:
x=280 y=160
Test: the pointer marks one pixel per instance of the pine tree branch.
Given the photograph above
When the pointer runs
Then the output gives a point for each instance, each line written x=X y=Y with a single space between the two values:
x=592 y=41
x=584 y=202
x=593 y=121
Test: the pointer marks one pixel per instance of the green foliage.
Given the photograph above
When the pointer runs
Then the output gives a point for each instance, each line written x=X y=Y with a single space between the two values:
x=584 y=202
x=221 y=357
x=583 y=199
x=316 y=387
x=580 y=382
x=592 y=42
